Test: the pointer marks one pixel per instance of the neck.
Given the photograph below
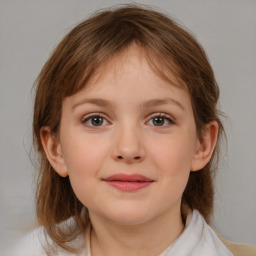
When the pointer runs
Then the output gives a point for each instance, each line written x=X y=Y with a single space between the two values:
x=149 y=238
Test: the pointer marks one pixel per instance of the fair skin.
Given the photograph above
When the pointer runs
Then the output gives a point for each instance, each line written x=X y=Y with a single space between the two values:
x=129 y=137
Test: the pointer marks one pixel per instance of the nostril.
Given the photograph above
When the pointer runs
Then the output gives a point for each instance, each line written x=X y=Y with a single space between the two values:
x=135 y=158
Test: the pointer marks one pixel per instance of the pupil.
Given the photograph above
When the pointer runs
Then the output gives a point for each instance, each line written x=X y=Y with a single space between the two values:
x=97 y=121
x=158 y=121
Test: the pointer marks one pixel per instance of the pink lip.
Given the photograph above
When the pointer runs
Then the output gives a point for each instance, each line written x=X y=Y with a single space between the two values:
x=128 y=183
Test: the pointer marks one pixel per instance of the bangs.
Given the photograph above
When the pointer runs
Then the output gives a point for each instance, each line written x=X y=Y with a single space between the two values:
x=105 y=35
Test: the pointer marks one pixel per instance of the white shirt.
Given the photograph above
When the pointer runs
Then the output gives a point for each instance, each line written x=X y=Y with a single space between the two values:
x=197 y=239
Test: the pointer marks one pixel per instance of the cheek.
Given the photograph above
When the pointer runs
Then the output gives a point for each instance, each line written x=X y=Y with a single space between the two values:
x=83 y=154
x=173 y=154
x=172 y=158
x=172 y=161
x=84 y=162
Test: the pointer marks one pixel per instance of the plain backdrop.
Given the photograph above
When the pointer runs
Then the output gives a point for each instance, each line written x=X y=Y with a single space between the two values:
x=29 y=31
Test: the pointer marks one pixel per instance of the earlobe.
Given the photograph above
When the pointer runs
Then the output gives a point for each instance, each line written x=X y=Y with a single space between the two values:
x=53 y=151
x=205 y=146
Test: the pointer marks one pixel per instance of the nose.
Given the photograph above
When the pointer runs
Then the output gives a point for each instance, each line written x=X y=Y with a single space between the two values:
x=128 y=146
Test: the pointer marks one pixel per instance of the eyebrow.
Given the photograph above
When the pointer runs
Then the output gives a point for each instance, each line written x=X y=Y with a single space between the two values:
x=146 y=104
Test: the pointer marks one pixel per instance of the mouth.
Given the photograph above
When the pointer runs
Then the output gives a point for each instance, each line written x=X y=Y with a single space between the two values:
x=128 y=183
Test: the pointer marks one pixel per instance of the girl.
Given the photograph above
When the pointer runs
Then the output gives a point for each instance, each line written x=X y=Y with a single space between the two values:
x=127 y=130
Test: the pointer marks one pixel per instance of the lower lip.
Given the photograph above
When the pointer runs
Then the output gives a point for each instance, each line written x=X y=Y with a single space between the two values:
x=129 y=186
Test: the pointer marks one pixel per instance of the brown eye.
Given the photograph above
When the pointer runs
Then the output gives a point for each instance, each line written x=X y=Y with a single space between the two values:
x=95 y=120
x=158 y=121
x=161 y=120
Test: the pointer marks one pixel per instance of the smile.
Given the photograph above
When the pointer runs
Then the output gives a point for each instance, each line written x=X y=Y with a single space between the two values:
x=128 y=183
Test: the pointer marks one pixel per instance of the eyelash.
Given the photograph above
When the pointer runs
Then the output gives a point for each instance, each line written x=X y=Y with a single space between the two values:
x=162 y=115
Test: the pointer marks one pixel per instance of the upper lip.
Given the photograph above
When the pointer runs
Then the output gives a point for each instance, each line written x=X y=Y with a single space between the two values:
x=128 y=178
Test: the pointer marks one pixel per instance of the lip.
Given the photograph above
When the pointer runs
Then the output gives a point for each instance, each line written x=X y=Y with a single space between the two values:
x=128 y=182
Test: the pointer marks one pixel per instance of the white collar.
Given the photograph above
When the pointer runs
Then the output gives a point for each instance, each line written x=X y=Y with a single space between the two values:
x=197 y=239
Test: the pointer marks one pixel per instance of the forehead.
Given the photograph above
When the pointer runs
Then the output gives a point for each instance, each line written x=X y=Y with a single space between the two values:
x=130 y=62
x=128 y=78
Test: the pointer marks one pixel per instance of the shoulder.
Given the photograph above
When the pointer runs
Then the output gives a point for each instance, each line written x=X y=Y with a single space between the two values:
x=213 y=239
x=209 y=241
x=239 y=249
x=35 y=243
x=30 y=245
x=198 y=238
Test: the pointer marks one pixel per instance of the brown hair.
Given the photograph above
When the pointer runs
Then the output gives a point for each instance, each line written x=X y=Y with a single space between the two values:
x=169 y=47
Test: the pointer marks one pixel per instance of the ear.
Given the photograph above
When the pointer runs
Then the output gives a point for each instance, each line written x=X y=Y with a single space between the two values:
x=53 y=151
x=205 y=146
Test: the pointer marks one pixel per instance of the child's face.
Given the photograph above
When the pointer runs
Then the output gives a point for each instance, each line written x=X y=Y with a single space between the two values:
x=128 y=138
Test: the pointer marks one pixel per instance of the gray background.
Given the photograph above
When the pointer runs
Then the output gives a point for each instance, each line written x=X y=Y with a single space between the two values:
x=29 y=30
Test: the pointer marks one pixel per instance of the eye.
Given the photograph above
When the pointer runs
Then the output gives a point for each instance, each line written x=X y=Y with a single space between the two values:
x=161 y=120
x=94 y=120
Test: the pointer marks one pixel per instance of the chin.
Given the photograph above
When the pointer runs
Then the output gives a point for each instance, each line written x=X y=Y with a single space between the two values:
x=130 y=217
